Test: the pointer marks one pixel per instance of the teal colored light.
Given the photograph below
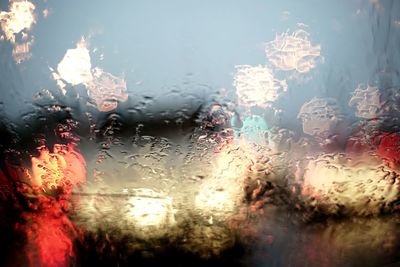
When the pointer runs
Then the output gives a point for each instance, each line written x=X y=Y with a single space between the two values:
x=254 y=129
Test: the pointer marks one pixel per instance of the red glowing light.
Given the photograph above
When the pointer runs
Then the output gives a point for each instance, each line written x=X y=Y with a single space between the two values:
x=49 y=235
x=389 y=148
x=47 y=189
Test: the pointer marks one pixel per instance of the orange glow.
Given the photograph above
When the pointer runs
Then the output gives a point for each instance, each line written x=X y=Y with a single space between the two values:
x=65 y=167
x=49 y=232
x=19 y=19
x=106 y=90
x=21 y=51
x=45 y=224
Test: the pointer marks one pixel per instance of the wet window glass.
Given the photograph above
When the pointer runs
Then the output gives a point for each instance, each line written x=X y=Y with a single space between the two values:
x=200 y=133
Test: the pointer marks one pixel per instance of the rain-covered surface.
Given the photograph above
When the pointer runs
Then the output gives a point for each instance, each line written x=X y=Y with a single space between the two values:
x=200 y=133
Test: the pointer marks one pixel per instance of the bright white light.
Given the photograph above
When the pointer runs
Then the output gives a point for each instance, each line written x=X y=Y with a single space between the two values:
x=221 y=194
x=18 y=20
x=103 y=87
x=293 y=52
x=363 y=188
x=20 y=17
x=75 y=67
x=147 y=211
x=217 y=197
x=256 y=85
